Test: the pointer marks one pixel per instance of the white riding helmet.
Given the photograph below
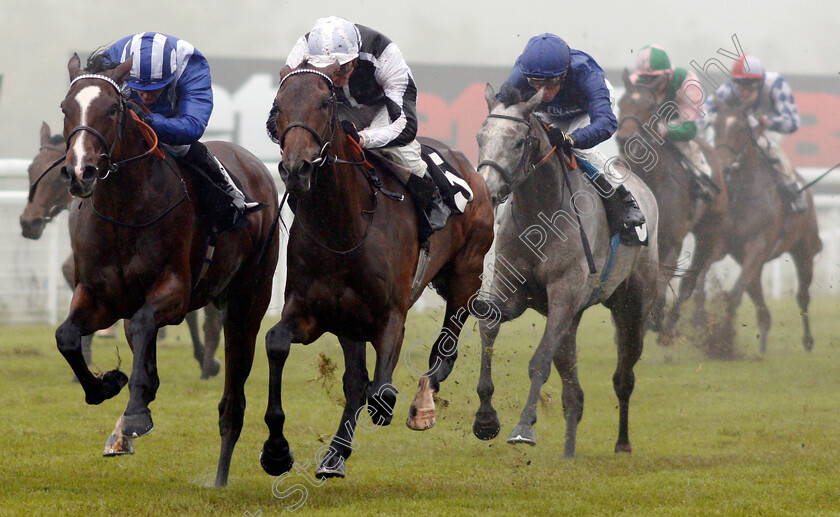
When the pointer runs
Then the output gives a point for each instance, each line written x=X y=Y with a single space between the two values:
x=332 y=40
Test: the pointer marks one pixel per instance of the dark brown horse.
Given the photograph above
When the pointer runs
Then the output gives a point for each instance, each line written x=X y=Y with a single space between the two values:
x=656 y=161
x=139 y=245
x=48 y=196
x=759 y=228
x=351 y=256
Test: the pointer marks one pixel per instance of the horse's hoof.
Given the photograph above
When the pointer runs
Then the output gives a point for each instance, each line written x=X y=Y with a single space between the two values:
x=523 y=434
x=623 y=447
x=276 y=465
x=486 y=426
x=332 y=467
x=420 y=419
x=212 y=370
x=138 y=424
x=118 y=445
x=109 y=385
x=808 y=343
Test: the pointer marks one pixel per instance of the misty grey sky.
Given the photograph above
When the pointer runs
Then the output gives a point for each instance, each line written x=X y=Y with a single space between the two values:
x=38 y=36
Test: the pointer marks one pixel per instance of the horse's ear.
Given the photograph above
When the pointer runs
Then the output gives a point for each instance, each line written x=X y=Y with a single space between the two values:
x=285 y=71
x=74 y=66
x=45 y=133
x=625 y=76
x=535 y=100
x=121 y=72
x=490 y=97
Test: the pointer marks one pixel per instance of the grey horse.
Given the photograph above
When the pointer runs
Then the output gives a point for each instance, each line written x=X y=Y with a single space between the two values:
x=541 y=264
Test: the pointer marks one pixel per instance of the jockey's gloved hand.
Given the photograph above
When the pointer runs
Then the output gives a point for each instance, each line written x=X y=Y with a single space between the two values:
x=138 y=109
x=350 y=130
x=559 y=139
x=753 y=121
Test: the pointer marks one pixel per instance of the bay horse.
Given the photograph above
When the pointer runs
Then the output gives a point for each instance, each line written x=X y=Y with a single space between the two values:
x=759 y=227
x=352 y=252
x=139 y=246
x=541 y=263
x=49 y=196
x=680 y=212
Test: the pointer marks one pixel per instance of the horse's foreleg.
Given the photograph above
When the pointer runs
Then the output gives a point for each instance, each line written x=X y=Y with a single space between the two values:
x=382 y=395
x=144 y=382
x=276 y=456
x=355 y=382
x=565 y=361
x=486 y=425
x=86 y=316
x=761 y=312
x=539 y=367
x=212 y=332
x=804 y=260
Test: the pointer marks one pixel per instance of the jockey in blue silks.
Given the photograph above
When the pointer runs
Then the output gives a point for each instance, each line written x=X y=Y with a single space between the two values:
x=171 y=78
x=578 y=101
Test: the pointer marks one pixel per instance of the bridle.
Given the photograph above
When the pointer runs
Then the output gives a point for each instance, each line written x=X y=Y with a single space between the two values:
x=107 y=156
x=324 y=141
x=325 y=158
x=524 y=163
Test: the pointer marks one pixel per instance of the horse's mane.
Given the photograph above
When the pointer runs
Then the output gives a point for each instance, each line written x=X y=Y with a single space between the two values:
x=98 y=62
x=509 y=95
x=56 y=139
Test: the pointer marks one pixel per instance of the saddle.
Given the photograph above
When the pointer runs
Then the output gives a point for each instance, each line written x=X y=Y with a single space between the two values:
x=454 y=189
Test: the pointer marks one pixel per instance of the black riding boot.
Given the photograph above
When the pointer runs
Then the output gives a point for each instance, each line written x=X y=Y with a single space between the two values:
x=236 y=207
x=429 y=202
x=632 y=215
x=620 y=205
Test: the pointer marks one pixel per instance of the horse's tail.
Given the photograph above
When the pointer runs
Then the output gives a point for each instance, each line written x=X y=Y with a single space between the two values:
x=273 y=229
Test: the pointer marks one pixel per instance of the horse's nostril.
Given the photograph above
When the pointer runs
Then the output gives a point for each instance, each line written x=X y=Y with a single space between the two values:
x=88 y=173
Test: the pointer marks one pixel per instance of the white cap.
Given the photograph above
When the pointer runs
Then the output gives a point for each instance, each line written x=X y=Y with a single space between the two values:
x=332 y=40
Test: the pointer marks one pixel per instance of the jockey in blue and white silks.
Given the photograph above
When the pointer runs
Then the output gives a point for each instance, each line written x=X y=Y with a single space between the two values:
x=579 y=101
x=772 y=115
x=171 y=79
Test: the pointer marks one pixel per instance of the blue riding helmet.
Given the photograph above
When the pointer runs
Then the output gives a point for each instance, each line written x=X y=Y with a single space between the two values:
x=155 y=61
x=545 y=56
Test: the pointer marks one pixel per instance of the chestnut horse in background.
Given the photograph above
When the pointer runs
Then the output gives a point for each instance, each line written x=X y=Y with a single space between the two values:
x=139 y=245
x=680 y=212
x=48 y=196
x=352 y=253
x=759 y=227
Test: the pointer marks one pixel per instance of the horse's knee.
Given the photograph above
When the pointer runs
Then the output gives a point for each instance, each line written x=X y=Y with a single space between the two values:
x=623 y=383
x=68 y=339
x=278 y=343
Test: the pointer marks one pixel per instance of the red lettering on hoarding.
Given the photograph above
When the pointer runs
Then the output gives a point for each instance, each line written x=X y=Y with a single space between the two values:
x=817 y=142
x=456 y=123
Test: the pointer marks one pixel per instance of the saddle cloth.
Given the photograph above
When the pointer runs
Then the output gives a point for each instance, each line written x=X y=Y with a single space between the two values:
x=454 y=190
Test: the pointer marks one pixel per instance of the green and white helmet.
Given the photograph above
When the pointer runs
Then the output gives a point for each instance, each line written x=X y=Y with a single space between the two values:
x=652 y=60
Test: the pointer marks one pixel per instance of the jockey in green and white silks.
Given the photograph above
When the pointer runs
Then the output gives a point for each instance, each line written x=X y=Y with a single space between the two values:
x=653 y=68
x=772 y=115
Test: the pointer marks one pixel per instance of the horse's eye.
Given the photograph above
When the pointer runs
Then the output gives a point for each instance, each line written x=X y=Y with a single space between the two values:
x=325 y=104
x=114 y=109
x=519 y=144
